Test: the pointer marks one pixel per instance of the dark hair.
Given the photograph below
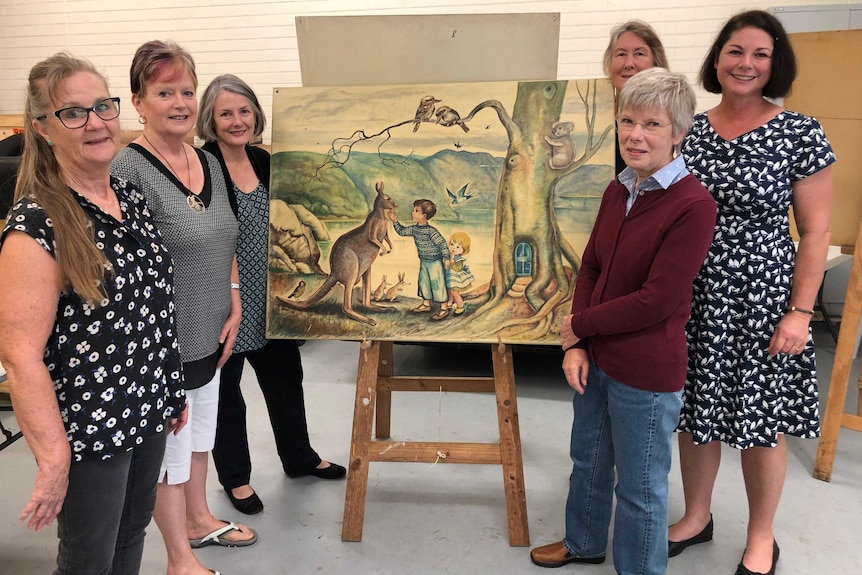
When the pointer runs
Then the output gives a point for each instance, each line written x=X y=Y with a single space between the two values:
x=153 y=58
x=427 y=206
x=206 y=115
x=783 y=70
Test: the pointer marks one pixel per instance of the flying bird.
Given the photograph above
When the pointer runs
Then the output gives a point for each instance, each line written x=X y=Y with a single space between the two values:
x=461 y=196
x=458 y=144
x=425 y=111
x=446 y=116
x=298 y=290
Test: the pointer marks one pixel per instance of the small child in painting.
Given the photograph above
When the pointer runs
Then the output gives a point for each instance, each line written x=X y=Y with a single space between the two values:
x=458 y=276
x=433 y=258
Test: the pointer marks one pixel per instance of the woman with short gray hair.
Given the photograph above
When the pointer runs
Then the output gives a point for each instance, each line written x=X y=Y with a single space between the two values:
x=624 y=342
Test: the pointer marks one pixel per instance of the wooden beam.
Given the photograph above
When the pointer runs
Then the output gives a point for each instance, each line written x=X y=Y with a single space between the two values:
x=435 y=452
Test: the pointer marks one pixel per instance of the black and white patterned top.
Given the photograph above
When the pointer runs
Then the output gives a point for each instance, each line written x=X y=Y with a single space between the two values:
x=116 y=368
x=253 y=217
x=203 y=245
x=734 y=391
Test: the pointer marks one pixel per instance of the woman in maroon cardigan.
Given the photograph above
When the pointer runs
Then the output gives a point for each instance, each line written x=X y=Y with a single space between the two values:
x=625 y=339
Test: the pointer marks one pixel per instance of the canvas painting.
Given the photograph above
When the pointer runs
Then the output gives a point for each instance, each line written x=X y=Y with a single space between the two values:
x=433 y=213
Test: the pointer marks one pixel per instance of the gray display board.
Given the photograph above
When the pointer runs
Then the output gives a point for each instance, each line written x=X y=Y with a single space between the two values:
x=369 y=50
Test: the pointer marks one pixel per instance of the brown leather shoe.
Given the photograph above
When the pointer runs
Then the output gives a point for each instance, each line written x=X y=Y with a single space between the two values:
x=556 y=555
x=440 y=314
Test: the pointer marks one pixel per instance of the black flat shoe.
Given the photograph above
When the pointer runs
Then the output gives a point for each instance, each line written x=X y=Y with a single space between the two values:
x=334 y=471
x=250 y=505
x=743 y=570
x=674 y=548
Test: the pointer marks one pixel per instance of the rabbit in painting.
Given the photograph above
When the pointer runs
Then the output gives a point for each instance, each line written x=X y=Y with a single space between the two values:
x=380 y=291
x=392 y=293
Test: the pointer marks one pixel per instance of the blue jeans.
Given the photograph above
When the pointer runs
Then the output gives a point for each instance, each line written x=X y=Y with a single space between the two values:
x=617 y=426
x=107 y=508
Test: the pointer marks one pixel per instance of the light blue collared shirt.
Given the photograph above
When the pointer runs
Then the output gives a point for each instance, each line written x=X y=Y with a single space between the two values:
x=673 y=172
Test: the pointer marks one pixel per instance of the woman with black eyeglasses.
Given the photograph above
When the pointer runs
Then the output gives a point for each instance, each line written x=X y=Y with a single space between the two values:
x=87 y=331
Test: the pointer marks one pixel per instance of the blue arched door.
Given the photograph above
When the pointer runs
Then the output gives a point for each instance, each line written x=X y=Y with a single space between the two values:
x=523 y=260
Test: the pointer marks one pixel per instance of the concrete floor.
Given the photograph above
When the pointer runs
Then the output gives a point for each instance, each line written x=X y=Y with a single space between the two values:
x=423 y=519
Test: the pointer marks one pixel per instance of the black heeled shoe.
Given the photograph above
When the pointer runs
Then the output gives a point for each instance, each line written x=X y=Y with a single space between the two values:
x=250 y=505
x=674 y=548
x=743 y=570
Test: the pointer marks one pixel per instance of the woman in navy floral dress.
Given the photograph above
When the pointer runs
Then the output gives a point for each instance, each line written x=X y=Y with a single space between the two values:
x=751 y=376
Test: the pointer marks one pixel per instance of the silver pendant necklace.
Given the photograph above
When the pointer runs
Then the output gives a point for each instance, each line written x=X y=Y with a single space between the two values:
x=193 y=200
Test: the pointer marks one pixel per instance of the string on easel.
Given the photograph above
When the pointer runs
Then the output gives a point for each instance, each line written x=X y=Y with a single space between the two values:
x=440 y=454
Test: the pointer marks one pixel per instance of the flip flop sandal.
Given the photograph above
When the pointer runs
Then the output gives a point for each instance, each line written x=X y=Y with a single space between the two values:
x=215 y=538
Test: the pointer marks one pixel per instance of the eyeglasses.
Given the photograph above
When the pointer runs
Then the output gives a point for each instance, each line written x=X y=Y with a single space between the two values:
x=649 y=127
x=77 y=116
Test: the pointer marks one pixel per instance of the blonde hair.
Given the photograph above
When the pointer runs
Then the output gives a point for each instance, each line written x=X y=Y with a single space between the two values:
x=80 y=263
x=461 y=238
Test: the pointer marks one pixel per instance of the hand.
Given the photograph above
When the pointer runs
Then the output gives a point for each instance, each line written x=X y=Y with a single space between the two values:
x=576 y=366
x=230 y=329
x=47 y=498
x=175 y=424
x=446 y=264
x=791 y=335
x=567 y=336
x=392 y=215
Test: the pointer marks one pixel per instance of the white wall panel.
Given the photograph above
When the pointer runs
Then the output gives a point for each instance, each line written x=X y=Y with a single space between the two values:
x=257 y=40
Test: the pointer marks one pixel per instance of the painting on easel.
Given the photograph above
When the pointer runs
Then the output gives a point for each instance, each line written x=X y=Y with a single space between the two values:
x=451 y=212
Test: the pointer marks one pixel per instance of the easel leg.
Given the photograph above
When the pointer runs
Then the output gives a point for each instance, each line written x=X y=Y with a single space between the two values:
x=384 y=396
x=363 y=413
x=834 y=410
x=510 y=447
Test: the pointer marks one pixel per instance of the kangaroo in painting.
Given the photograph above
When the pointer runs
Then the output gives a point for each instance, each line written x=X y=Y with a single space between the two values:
x=350 y=260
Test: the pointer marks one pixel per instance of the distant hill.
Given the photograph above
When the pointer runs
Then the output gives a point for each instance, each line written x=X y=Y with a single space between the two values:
x=347 y=191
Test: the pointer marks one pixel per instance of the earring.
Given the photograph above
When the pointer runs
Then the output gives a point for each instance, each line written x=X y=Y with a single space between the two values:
x=142 y=120
x=50 y=143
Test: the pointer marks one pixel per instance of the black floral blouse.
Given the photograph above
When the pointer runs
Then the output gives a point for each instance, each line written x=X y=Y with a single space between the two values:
x=116 y=368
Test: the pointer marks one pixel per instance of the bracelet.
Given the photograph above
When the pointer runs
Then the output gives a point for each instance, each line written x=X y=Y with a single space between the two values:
x=234 y=285
x=800 y=310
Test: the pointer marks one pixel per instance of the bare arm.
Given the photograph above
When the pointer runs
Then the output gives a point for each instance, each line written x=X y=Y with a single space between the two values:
x=28 y=309
x=812 y=209
x=231 y=324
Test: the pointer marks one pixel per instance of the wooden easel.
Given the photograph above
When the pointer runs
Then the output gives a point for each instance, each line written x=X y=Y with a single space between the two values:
x=375 y=383
x=834 y=417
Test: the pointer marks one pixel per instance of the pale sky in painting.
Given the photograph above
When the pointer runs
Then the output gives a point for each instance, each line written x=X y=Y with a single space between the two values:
x=308 y=119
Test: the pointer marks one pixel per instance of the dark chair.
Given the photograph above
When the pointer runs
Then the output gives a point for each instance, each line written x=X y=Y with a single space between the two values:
x=8 y=176
x=13 y=145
